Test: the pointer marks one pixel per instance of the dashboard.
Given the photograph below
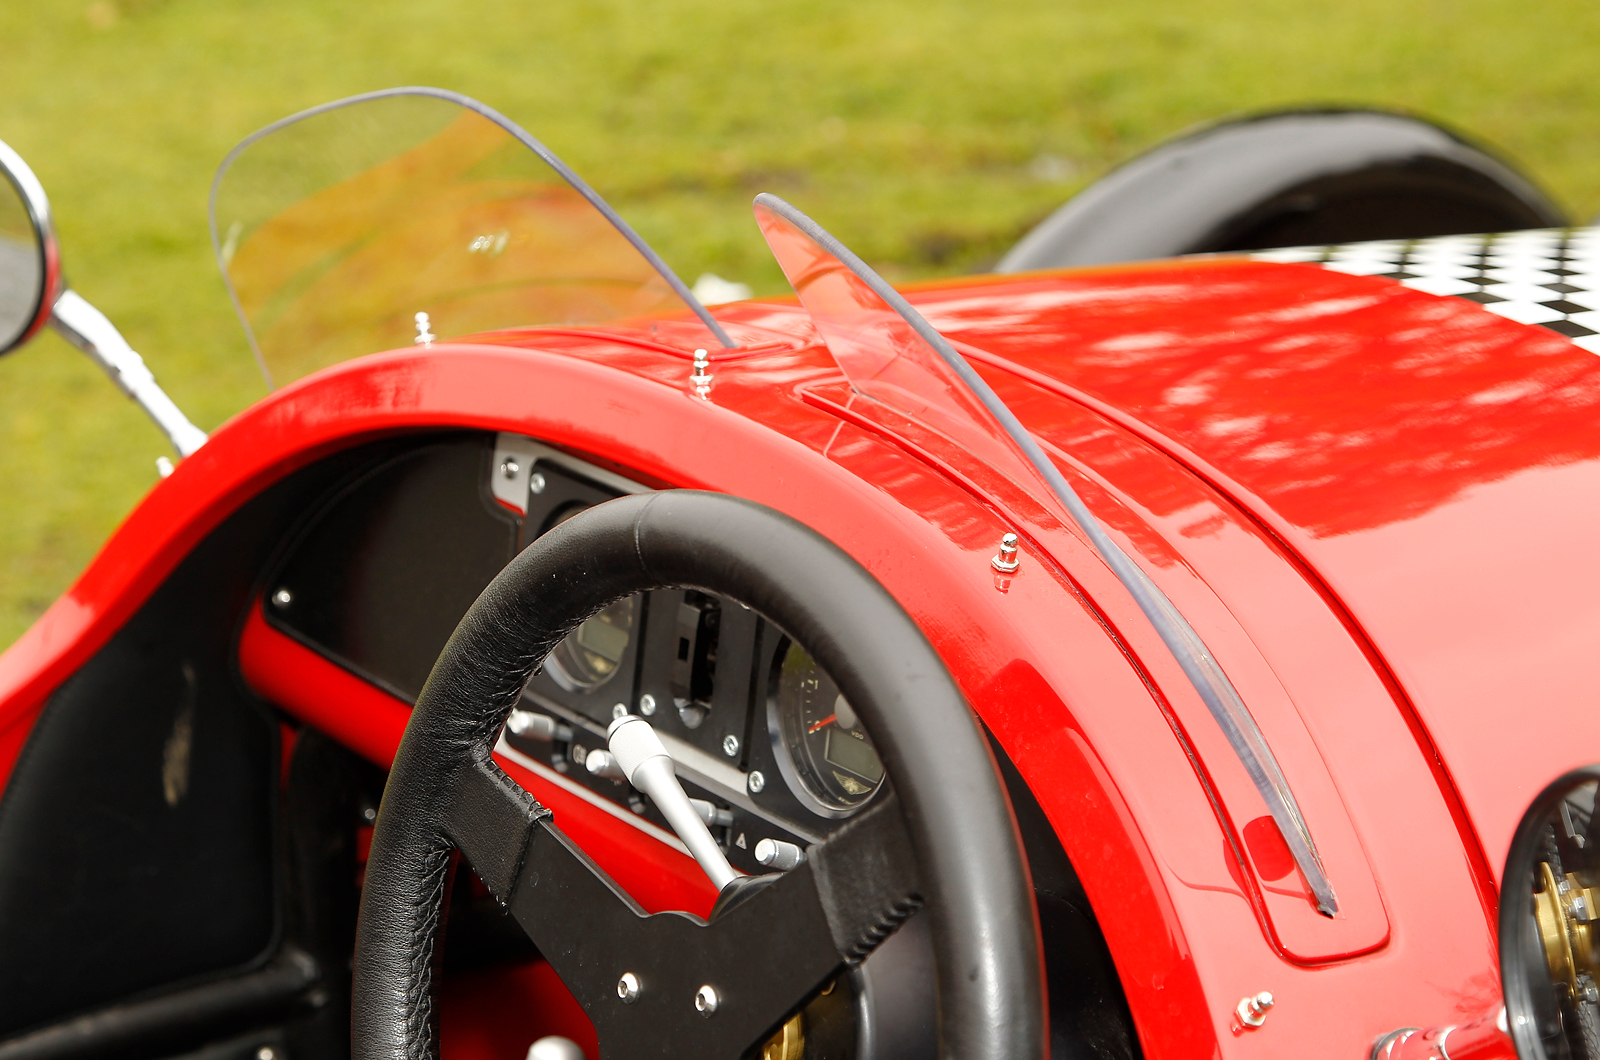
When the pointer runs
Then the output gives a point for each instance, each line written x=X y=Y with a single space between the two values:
x=379 y=573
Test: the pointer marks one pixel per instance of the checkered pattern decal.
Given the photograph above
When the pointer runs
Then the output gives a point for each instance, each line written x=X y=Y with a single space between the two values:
x=1549 y=277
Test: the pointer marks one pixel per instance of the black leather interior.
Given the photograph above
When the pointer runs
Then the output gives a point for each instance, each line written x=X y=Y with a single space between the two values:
x=445 y=791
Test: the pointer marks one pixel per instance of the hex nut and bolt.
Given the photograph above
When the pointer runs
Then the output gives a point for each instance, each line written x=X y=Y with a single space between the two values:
x=536 y=483
x=509 y=467
x=647 y=704
x=1005 y=561
x=756 y=782
x=706 y=1000
x=730 y=745
x=628 y=988
x=283 y=598
x=1252 y=1011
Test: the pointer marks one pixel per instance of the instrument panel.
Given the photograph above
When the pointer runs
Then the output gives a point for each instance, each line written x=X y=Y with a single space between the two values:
x=383 y=569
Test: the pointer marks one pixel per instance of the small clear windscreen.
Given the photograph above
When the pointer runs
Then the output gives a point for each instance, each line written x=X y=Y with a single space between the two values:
x=891 y=355
x=336 y=227
x=884 y=357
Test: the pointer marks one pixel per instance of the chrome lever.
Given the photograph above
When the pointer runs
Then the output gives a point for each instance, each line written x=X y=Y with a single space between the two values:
x=648 y=767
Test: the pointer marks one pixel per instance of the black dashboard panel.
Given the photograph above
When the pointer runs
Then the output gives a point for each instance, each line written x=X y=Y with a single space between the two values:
x=393 y=559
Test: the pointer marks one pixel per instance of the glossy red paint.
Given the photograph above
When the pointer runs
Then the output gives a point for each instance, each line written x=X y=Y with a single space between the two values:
x=1436 y=465
x=1057 y=660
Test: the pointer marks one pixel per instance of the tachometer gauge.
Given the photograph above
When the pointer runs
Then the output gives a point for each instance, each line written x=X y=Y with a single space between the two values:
x=825 y=755
x=592 y=654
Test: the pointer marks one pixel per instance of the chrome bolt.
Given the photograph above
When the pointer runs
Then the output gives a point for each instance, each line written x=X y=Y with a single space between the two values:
x=1005 y=561
x=628 y=988
x=369 y=814
x=1252 y=1011
x=730 y=745
x=266 y=1052
x=620 y=710
x=580 y=754
x=756 y=782
x=536 y=483
x=701 y=379
x=510 y=468
x=776 y=854
x=647 y=704
x=283 y=598
x=424 y=336
x=706 y=1000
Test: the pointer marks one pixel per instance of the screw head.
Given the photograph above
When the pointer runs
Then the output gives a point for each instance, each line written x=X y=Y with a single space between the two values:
x=620 y=710
x=730 y=745
x=283 y=598
x=756 y=782
x=536 y=483
x=706 y=1000
x=509 y=467
x=628 y=988
x=266 y=1052
x=647 y=704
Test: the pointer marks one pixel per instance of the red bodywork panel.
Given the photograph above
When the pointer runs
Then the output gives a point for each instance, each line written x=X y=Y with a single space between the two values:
x=1326 y=474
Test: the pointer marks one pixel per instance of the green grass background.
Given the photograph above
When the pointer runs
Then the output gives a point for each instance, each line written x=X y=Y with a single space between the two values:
x=928 y=134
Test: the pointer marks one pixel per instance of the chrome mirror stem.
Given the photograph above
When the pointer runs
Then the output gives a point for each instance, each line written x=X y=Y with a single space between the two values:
x=88 y=329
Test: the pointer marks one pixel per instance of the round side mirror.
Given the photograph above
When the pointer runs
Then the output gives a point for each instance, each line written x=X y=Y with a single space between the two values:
x=30 y=267
x=1550 y=923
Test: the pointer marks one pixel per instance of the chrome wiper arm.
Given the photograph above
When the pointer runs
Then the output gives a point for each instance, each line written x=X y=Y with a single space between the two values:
x=1222 y=700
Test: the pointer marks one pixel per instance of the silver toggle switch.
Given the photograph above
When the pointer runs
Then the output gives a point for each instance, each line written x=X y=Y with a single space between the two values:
x=531 y=725
x=644 y=761
x=713 y=815
x=603 y=763
x=777 y=854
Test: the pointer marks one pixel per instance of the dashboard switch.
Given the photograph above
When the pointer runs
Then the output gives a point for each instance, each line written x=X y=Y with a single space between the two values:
x=776 y=854
x=603 y=764
x=531 y=725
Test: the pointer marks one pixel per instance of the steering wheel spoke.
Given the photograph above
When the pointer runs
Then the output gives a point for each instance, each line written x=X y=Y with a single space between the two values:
x=710 y=989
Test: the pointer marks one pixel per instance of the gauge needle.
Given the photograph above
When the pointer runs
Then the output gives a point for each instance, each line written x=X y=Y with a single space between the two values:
x=821 y=724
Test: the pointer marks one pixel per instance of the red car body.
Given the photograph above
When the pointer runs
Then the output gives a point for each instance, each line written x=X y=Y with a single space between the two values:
x=1377 y=506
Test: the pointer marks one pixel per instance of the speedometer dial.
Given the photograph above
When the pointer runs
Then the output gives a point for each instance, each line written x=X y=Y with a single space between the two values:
x=823 y=751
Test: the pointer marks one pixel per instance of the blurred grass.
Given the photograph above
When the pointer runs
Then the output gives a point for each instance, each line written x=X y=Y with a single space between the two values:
x=928 y=134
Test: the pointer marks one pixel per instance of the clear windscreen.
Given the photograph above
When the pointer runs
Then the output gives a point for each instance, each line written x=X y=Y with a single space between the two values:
x=336 y=228
x=888 y=358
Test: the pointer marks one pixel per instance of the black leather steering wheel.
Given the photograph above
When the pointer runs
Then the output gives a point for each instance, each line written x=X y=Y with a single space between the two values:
x=944 y=836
